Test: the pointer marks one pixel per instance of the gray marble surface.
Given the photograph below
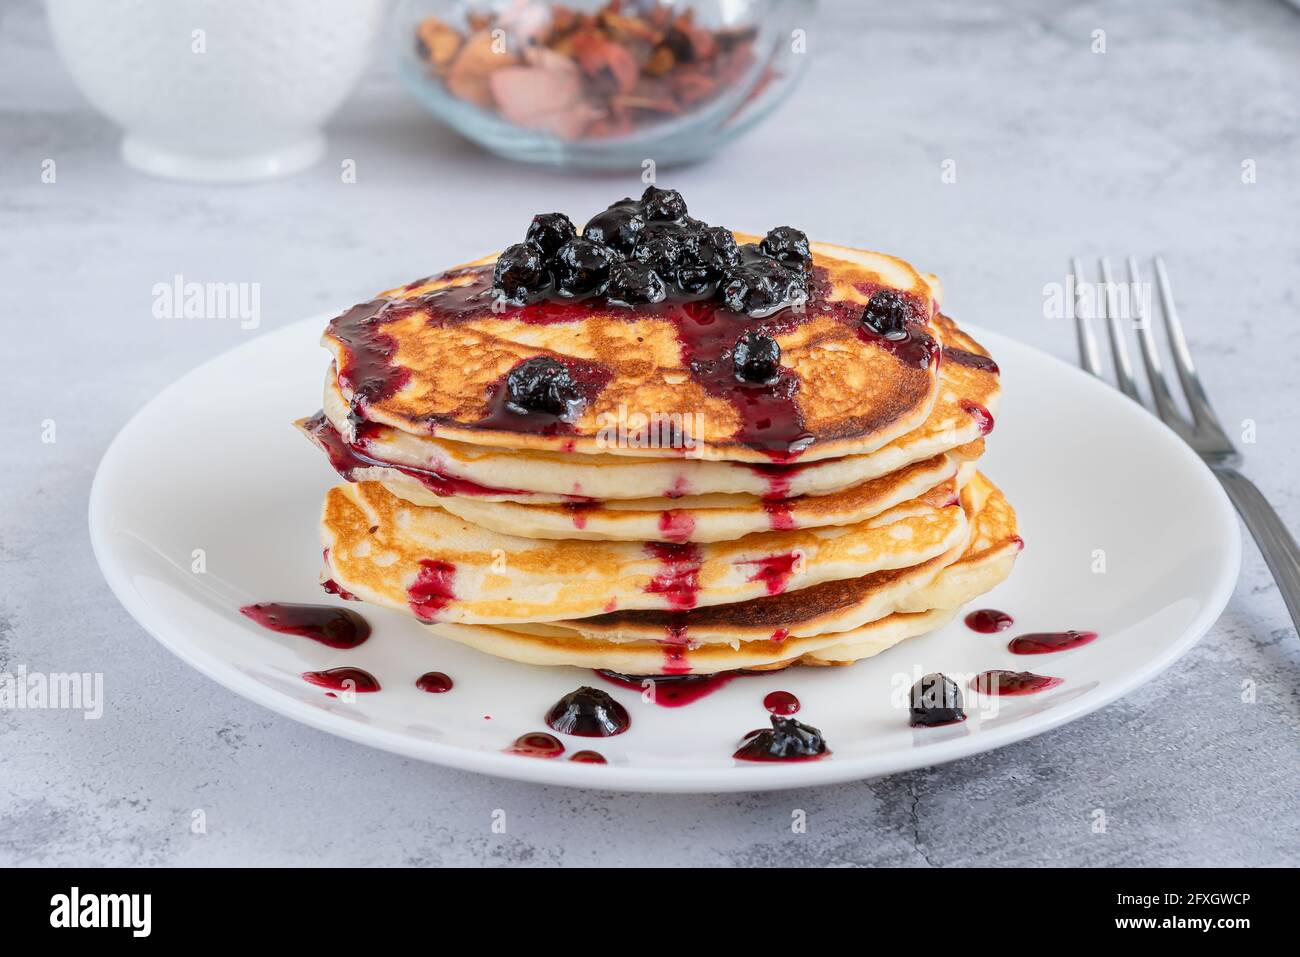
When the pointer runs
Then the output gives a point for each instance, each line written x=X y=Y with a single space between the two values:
x=1059 y=151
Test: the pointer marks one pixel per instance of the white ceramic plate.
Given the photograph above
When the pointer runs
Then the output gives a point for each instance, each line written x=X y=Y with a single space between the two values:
x=212 y=464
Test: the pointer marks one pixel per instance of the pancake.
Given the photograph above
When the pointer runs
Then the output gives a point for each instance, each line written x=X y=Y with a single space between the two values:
x=653 y=658
x=423 y=469
x=432 y=358
x=772 y=464
x=440 y=567
x=891 y=615
x=981 y=559
x=714 y=518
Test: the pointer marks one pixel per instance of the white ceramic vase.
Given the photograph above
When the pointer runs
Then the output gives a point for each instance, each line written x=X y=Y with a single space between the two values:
x=217 y=90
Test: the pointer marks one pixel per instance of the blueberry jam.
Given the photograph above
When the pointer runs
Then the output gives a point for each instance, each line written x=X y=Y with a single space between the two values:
x=343 y=679
x=1012 y=682
x=988 y=620
x=757 y=358
x=786 y=740
x=644 y=259
x=888 y=313
x=536 y=744
x=549 y=231
x=335 y=627
x=779 y=517
x=434 y=682
x=543 y=395
x=781 y=702
x=1046 y=642
x=935 y=700
x=588 y=713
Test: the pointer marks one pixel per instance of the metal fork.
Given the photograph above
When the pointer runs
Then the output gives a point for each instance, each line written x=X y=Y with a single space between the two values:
x=1202 y=431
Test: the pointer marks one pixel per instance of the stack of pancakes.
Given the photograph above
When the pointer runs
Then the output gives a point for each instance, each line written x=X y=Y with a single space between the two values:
x=674 y=520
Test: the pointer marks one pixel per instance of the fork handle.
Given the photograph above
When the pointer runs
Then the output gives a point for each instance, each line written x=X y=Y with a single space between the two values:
x=1274 y=541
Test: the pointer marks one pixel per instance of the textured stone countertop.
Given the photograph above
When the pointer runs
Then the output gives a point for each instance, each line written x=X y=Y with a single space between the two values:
x=1058 y=151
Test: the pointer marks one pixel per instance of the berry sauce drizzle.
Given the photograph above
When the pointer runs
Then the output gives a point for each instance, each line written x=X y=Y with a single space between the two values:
x=588 y=757
x=971 y=360
x=536 y=744
x=334 y=588
x=1012 y=682
x=367 y=369
x=1046 y=642
x=431 y=591
x=774 y=571
x=578 y=512
x=781 y=702
x=770 y=416
x=771 y=420
x=988 y=620
x=347 y=460
x=982 y=416
x=676 y=525
x=335 y=627
x=675 y=691
x=679 y=580
x=434 y=682
x=343 y=679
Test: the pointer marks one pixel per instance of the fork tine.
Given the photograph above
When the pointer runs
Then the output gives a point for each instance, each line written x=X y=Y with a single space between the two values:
x=1087 y=344
x=1118 y=342
x=1199 y=402
x=1164 y=400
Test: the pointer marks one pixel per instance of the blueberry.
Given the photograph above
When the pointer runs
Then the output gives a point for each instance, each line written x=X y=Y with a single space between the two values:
x=549 y=231
x=581 y=267
x=788 y=246
x=634 y=283
x=935 y=700
x=887 y=313
x=710 y=253
x=663 y=246
x=589 y=713
x=617 y=227
x=541 y=384
x=520 y=272
x=715 y=248
x=757 y=358
x=662 y=205
x=758 y=285
x=787 y=739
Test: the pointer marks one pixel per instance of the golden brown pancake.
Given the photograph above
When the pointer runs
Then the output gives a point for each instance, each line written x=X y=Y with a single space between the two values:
x=986 y=561
x=432 y=358
x=713 y=518
x=967 y=401
x=835 y=605
x=440 y=567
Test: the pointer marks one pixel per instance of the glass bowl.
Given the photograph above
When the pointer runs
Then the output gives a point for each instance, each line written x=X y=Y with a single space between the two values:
x=601 y=84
